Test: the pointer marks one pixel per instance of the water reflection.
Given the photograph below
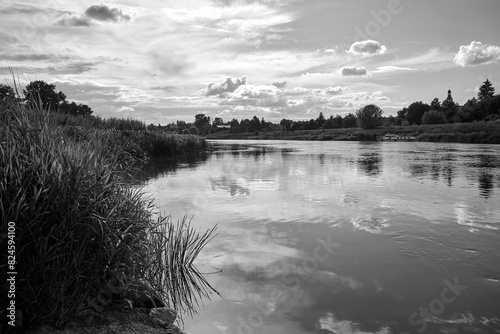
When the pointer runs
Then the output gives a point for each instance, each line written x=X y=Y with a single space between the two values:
x=405 y=216
x=229 y=184
x=158 y=168
x=485 y=184
x=370 y=163
x=448 y=172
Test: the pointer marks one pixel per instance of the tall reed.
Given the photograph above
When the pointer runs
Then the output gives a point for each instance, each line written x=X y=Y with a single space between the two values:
x=80 y=227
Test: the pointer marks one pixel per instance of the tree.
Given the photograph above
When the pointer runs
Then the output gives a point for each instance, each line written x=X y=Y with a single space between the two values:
x=244 y=125
x=200 y=120
x=234 y=125
x=287 y=123
x=254 y=124
x=74 y=109
x=193 y=130
x=218 y=121
x=369 y=117
x=333 y=122
x=493 y=106
x=433 y=117
x=337 y=121
x=415 y=112
x=485 y=91
x=182 y=125
x=449 y=109
x=349 y=121
x=390 y=121
x=320 y=121
x=7 y=93
x=435 y=104
x=470 y=102
x=37 y=92
x=402 y=116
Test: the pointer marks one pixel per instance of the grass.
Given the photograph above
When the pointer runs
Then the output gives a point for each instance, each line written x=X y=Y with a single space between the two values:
x=82 y=231
x=476 y=132
x=127 y=136
x=176 y=247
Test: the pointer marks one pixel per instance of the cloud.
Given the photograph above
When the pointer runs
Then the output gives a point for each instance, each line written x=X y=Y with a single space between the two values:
x=256 y=95
x=271 y=3
x=281 y=84
x=477 y=53
x=104 y=13
x=125 y=108
x=101 y=13
x=227 y=86
x=165 y=88
x=167 y=63
x=25 y=56
x=377 y=96
x=70 y=20
x=334 y=90
x=390 y=68
x=353 y=71
x=367 y=48
x=73 y=67
x=296 y=91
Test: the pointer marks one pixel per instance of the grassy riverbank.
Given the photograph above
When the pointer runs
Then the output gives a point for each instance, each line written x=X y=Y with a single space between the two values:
x=127 y=136
x=82 y=234
x=477 y=133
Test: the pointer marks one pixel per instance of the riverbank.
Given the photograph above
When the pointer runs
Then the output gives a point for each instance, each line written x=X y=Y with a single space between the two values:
x=83 y=240
x=474 y=133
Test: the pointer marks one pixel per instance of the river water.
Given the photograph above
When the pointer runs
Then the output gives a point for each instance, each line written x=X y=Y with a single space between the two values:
x=343 y=237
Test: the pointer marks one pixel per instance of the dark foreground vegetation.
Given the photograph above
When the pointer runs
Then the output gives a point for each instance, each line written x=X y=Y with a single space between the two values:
x=83 y=235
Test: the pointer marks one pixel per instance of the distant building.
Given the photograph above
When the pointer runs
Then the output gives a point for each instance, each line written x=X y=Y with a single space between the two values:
x=449 y=98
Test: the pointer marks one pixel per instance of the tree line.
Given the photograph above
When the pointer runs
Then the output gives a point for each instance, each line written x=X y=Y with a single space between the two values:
x=484 y=107
x=42 y=94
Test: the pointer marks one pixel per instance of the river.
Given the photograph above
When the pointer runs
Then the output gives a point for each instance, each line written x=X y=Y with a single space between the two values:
x=342 y=237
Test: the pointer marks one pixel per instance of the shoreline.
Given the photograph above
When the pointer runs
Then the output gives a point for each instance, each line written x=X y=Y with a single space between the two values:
x=466 y=133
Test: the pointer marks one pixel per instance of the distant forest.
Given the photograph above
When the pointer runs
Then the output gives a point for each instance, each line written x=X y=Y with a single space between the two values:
x=484 y=107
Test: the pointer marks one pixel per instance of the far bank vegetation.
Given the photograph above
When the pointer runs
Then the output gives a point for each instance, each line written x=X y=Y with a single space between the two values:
x=477 y=121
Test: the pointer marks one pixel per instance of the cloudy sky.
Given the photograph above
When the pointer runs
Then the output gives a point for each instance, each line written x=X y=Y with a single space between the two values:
x=162 y=61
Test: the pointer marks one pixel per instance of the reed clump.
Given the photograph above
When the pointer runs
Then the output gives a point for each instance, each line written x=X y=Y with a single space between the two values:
x=82 y=232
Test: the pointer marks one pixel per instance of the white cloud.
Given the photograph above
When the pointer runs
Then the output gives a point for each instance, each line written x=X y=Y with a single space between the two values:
x=367 y=48
x=296 y=91
x=227 y=86
x=125 y=108
x=256 y=95
x=390 y=68
x=334 y=90
x=353 y=71
x=256 y=91
x=237 y=19
x=477 y=53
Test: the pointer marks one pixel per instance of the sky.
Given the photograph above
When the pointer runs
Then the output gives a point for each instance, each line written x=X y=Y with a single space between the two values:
x=162 y=61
